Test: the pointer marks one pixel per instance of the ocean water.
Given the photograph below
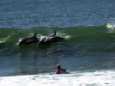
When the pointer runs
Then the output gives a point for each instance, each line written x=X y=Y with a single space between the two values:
x=87 y=52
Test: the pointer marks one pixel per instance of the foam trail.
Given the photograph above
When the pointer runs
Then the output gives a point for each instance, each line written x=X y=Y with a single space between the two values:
x=4 y=39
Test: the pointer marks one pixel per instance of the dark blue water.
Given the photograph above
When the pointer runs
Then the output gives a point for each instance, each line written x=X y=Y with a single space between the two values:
x=88 y=27
x=55 y=13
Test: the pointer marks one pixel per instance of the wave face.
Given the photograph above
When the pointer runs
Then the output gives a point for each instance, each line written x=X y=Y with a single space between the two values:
x=84 y=48
x=91 y=39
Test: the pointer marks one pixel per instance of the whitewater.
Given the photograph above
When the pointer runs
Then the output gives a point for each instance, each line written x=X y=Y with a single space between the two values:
x=74 y=79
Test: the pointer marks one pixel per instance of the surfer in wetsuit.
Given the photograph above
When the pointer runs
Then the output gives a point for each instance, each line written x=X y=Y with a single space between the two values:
x=60 y=70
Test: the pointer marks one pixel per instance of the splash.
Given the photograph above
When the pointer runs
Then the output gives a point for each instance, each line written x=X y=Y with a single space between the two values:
x=111 y=28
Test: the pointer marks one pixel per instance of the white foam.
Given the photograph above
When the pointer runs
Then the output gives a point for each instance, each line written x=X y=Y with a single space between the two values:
x=4 y=39
x=111 y=28
x=74 y=79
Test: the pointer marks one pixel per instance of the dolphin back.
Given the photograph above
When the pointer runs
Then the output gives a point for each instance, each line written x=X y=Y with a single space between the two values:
x=27 y=41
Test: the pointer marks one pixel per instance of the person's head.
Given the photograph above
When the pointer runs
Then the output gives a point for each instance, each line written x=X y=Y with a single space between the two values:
x=58 y=66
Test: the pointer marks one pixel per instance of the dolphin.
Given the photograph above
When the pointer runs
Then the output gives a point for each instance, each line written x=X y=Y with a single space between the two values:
x=50 y=39
x=28 y=41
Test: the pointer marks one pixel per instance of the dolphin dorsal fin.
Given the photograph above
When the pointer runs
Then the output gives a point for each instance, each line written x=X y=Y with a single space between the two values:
x=54 y=34
x=34 y=35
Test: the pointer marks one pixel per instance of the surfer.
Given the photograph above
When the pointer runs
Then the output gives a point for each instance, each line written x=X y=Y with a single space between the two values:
x=60 y=70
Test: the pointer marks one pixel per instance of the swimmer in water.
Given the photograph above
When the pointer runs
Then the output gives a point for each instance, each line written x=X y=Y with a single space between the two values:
x=60 y=70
